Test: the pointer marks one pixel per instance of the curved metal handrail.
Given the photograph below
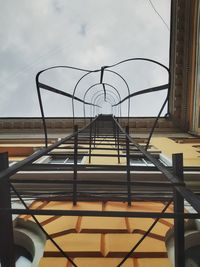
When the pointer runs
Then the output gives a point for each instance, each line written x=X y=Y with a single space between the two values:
x=102 y=94
x=107 y=84
x=102 y=70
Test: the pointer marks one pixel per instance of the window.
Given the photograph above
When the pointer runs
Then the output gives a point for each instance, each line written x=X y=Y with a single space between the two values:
x=142 y=161
x=62 y=159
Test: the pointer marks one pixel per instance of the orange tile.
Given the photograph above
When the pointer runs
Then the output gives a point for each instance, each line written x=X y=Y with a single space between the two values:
x=154 y=263
x=65 y=224
x=136 y=224
x=75 y=245
x=34 y=205
x=40 y=218
x=52 y=262
x=68 y=205
x=59 y=205
x=136 y=206
x=119 y=244
x=99 y=262
x=103 y=224
x=88 y=206
x=148 y=206
x=152 y=245
x=116 y=243
x=53 y=205
x=116 y=206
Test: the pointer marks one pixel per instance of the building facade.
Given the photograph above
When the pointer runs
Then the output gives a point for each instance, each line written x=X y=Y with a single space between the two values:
x=94 y=182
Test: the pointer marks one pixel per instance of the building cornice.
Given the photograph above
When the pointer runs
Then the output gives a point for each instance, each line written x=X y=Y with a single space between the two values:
x=182 y=60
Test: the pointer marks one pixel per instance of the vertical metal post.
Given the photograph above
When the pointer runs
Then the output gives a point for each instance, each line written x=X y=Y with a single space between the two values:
x=118 y=152
x=90 y=141
x=114 y=133
x=42 y=110
x=6 y=227
x=75 y=164
x=179 y=240
x=128 y=168
x=94 y=134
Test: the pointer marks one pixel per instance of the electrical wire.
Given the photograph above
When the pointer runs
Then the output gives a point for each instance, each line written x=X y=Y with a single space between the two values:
x=165 y=23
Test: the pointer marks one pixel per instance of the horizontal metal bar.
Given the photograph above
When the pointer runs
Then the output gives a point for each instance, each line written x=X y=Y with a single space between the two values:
x=85 y=167
x=107 y=149
x=91 y=196
x=95 y=182
x=19 y=165
x=97 y=142
x=93 y=154
x=185 y=192
x=129 y=214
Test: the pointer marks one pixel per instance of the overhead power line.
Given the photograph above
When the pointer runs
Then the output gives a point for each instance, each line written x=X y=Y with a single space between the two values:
x=152 y=5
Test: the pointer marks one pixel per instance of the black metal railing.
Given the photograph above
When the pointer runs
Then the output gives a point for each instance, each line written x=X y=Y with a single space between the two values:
x=103 y=133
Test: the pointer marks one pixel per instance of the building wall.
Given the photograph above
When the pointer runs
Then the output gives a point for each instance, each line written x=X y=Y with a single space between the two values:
x=190 y=147
x=105 y=241
x=191 y=150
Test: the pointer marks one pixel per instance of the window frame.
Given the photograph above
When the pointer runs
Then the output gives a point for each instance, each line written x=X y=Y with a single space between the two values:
x=47 y=159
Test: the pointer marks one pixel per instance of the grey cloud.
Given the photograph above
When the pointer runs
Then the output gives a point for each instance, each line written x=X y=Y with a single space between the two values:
x=83 y=28
x=38 y=34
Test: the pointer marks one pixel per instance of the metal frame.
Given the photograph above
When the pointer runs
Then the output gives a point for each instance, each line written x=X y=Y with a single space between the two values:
x=107 y=84
x=102 y=70
x=174 y=179
x=109 y=98
x=102 y=130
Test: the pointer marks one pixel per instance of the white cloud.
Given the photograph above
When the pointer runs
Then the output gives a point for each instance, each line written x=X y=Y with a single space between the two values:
x=36 y=34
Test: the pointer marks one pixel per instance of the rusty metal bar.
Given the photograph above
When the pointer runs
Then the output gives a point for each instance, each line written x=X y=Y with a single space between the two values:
x=90 y=142
x=128 y=169
x=7 y=253
x=75 y=164
x=185 y=192
x=94 y=139
x=179 y=240
x=19 y=165
x=118 y=151
x=131 y=214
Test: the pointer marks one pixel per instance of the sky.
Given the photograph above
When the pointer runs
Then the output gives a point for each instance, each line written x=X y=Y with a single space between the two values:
x=38 y=34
